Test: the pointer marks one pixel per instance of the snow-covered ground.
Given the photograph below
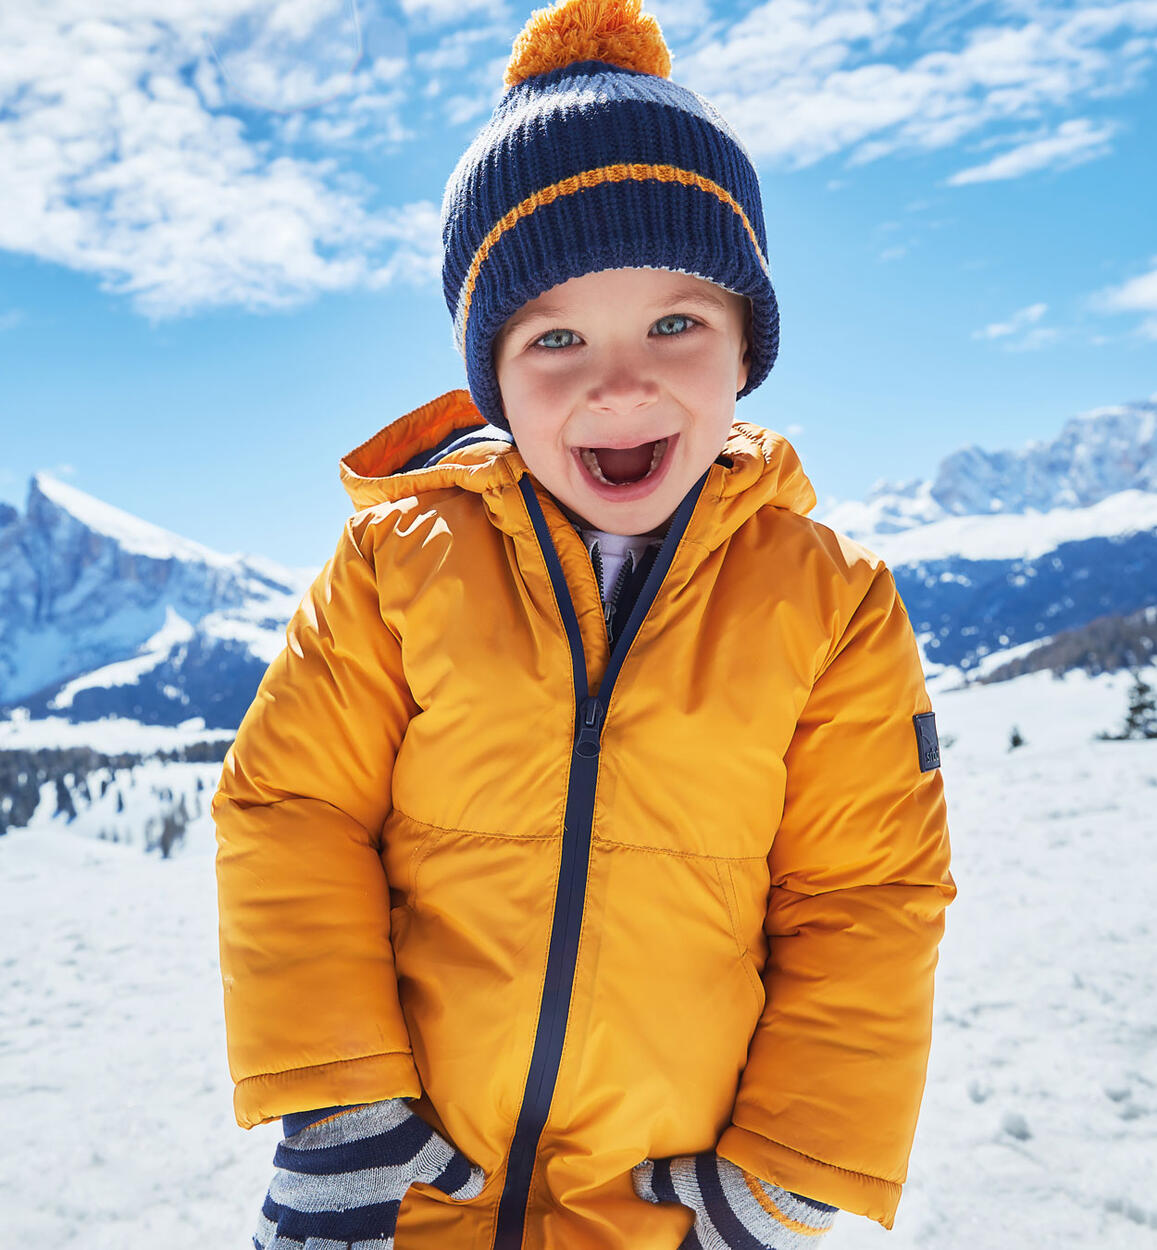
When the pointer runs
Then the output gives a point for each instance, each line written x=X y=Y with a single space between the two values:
x=1000 y=536
x=1039 y=1125
x=110 y=736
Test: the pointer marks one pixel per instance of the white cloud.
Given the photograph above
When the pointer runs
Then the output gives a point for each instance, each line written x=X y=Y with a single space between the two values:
x=284 y=56
x=439 y=12
x=1072 y=143
x=418 y=258
x=807 y=79
x=680 y=17
x=118 y=161
x=460 y=109
x=466 y=68
x=1041 y=336
x=458 y=49
x=1138 y=294
x=1018 y=322
x=11 y=318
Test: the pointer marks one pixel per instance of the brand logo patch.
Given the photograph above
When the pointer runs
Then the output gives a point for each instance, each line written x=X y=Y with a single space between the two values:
x=927 y=743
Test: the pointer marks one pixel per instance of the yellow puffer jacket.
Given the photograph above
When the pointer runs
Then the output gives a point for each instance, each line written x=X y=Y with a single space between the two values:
x=700 y=908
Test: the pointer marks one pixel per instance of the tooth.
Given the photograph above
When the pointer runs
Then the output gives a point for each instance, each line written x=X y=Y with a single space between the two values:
x=657 y=455
x=592 y=463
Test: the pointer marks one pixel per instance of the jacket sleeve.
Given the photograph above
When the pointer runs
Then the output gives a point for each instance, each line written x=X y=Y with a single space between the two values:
x=312 y=1014
x=828 y=1100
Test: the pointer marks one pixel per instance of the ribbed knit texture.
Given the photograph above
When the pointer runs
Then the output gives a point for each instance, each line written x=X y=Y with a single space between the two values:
x=340 y=1180
x=594 y=166
x=733 y=1211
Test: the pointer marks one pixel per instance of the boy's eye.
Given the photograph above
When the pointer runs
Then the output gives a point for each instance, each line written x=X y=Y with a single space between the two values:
x=555 y=338
x=670 y=326
x=673 y=324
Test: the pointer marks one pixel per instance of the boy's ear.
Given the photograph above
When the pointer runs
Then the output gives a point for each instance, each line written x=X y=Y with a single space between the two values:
x=745 y=351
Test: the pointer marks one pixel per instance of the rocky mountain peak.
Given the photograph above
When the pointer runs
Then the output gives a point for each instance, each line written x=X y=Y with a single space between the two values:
x=86 y=587
x=1096 y=455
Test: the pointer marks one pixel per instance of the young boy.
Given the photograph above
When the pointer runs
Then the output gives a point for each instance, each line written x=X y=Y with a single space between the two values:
x=583 y=857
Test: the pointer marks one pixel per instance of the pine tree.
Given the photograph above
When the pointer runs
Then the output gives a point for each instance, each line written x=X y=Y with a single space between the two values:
x=64 y=804
x=1141 y=717
x=1015 y=738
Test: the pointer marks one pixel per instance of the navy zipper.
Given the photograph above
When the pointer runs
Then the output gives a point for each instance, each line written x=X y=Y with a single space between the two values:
x=591 y=711
x=625 y=575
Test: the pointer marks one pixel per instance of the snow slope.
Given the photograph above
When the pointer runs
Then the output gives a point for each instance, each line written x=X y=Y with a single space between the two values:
x=1025 y=536
x=1039 y=1125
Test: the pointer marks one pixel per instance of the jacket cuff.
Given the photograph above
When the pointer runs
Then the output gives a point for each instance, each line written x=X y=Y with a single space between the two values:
x=856 y=1192
x=372 y=1078
x=293 y=1124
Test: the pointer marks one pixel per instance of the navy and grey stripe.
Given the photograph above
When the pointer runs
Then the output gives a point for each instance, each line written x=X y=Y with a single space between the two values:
x=339 y=1180
x=733 y=1210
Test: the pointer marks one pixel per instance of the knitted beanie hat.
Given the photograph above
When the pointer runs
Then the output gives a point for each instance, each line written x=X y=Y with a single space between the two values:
x=594 y=159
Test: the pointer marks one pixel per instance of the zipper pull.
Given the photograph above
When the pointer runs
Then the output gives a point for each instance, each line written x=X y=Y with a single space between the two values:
x=590 y=727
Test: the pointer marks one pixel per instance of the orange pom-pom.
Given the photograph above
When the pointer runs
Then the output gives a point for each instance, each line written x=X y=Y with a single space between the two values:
x=589 y=30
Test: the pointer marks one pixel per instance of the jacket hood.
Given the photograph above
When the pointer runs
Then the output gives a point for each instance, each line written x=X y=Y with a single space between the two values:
x=447 y=442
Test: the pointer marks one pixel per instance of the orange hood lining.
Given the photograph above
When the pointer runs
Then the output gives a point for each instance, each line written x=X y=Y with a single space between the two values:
x=394 y=446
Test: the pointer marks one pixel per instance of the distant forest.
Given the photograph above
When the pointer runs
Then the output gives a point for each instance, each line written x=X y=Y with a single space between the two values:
x=23 y=774
x=1106 y=645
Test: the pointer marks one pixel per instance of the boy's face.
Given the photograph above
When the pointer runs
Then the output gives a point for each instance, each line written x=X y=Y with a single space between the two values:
x=619 y=387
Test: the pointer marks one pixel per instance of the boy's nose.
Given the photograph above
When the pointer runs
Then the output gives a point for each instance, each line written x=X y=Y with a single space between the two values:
x=623 y=384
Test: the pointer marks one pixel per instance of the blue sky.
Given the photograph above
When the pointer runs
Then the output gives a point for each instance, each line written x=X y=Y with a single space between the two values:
x=219 y=242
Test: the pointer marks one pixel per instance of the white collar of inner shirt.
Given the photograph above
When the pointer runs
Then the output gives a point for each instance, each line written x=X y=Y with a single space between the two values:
x=613 y=552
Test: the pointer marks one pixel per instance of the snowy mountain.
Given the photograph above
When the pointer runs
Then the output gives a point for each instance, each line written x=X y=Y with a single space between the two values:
x=1002 y=550
x=102 y=614
x=1096 y=456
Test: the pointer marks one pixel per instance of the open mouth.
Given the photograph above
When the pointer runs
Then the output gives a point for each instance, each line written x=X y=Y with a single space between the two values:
x=623 y=466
